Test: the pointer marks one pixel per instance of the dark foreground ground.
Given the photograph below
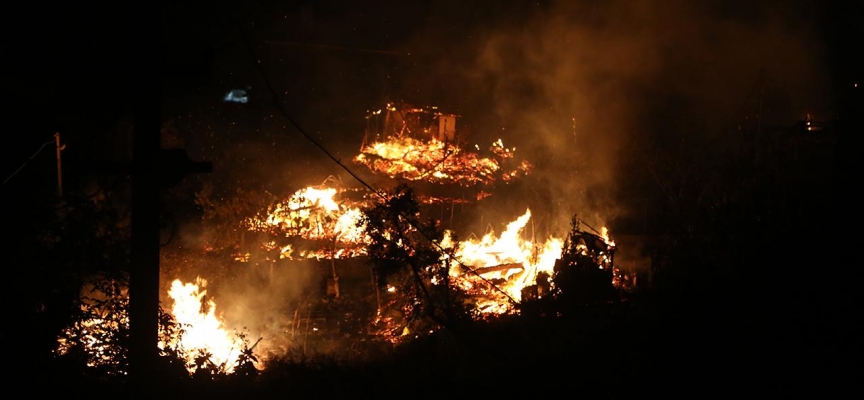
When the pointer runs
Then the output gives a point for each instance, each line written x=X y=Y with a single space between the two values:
x=696 y=349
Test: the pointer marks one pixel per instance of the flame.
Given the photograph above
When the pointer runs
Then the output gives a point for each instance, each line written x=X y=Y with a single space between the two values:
x=440 y=162
x=604 y=233
x=315 y=214
x=509 y=262
x=508 y=259
x=204 y=331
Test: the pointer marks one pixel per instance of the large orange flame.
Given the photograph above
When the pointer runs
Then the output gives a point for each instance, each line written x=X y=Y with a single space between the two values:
x=204 y=332
x=315 y=214
x=509 y=261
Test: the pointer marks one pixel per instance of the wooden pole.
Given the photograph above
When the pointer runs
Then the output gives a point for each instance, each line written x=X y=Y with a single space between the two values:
x=59 y=165
x=144 y=274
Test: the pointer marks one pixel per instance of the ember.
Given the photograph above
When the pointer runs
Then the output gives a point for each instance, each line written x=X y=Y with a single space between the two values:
x=421 y=144
x=327 y=224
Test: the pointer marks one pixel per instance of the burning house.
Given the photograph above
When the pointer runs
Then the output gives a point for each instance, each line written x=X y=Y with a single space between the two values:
x=422 y=146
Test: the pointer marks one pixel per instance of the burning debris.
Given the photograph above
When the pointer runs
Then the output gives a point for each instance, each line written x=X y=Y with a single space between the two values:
x=422 y=144
x=497 y=268
x=321 y=222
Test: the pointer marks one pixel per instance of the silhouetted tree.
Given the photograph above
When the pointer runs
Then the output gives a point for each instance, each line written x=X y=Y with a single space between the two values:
x=405 y=253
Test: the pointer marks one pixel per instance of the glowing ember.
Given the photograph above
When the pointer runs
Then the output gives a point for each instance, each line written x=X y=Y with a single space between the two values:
x=440 y=162
x=93 y=334
x=314 y=214
x=97 y=330
x=204 y=332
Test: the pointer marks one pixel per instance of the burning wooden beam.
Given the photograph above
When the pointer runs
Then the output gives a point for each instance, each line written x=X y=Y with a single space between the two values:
x=499 y=268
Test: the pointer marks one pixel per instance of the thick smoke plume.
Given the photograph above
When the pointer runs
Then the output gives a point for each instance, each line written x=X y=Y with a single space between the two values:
x=582 y=87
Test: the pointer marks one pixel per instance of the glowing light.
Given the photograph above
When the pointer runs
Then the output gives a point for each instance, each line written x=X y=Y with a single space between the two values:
x=236 y=96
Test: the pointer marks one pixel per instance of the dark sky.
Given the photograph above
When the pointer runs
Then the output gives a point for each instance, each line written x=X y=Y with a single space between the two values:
x=524 y=71
x=65 y=53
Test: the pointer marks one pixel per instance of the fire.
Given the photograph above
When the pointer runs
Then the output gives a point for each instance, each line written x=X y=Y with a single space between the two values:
x=604 y=233
x=496 y=267
x=437 y=161
x=509 y=261
x=105 y=319
x=313 y=213
x=92 y=334
x=95 y=331
x=204 y=332
x=318 y=215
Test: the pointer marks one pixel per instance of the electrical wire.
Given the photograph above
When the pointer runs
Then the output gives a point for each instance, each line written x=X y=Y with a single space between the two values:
x=28 y=160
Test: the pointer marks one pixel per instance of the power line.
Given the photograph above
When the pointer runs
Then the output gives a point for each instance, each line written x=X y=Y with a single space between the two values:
x=284 y=113
x=336 y=48
x=28 y=160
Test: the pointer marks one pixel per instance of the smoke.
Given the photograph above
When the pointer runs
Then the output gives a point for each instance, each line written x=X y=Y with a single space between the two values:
x=254 y=299
x=581 y=87
x=262 y=298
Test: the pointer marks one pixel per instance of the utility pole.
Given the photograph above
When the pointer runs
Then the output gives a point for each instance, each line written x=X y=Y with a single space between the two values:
x=59 y=167
x=333 y=266
x=152 y=169
x=144 y=274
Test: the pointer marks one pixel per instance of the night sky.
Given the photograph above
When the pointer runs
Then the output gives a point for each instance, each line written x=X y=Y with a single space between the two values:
x=582 y=88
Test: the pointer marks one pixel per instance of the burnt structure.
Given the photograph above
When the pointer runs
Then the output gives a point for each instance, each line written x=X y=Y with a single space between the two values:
x=404 y=120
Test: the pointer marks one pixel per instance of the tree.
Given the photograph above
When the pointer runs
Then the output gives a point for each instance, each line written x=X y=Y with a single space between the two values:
x=406 y=254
